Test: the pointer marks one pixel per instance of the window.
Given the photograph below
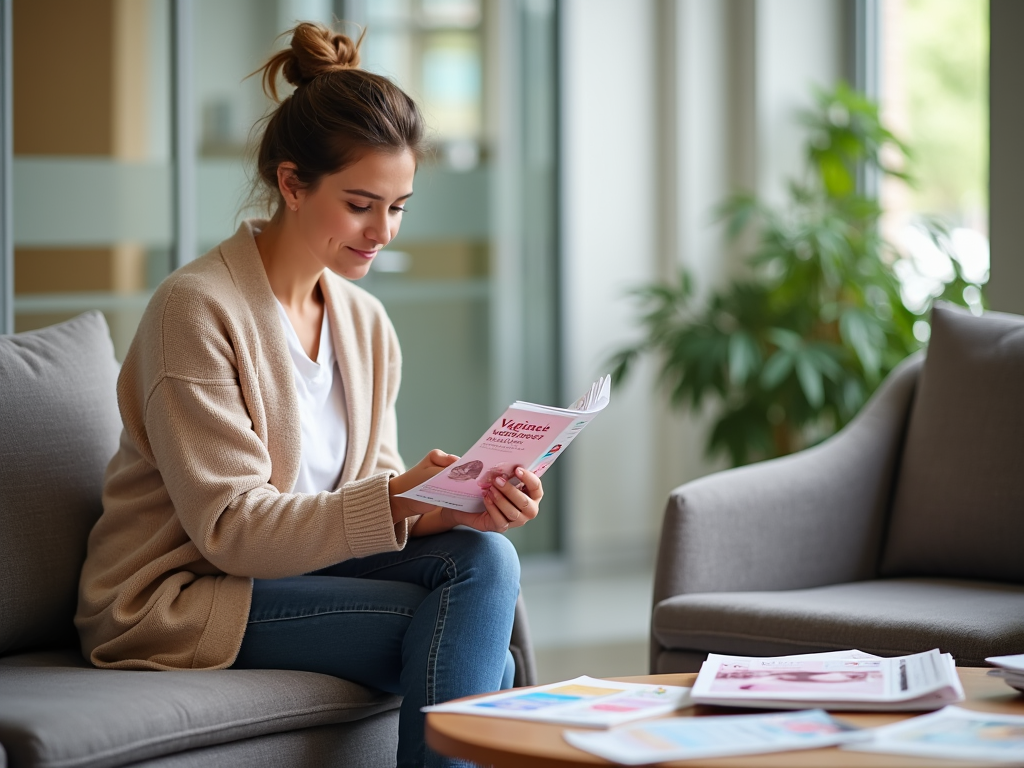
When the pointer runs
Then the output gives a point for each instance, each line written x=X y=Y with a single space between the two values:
x=935 y=97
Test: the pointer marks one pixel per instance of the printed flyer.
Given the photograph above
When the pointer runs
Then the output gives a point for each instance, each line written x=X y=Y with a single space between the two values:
x=583 y=701
x=526 y=435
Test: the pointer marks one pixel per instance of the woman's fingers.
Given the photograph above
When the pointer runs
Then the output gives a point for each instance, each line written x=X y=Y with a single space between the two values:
x=498 y=521
x=532 y=484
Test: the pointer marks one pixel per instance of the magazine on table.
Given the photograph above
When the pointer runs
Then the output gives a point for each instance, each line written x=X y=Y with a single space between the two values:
x=583 y=701
x=682 y=738
x=1011 y=669
x=952 y=733
x=526 y=435
x=846 y=680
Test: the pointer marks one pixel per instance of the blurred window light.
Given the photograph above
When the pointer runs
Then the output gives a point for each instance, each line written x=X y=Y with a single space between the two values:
x=935 y=97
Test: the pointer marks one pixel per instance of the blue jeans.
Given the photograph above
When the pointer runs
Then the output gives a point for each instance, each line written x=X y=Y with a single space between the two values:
x=430 y=623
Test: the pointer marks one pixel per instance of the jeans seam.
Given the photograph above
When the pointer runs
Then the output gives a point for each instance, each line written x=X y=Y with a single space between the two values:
x=446 y=557
x=328 y=613
x=442 y=615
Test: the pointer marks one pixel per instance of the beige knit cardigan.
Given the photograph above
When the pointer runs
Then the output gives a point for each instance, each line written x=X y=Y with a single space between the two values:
x=197 y=502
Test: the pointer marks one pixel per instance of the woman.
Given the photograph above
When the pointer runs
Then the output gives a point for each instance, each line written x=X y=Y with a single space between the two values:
x=251 y=515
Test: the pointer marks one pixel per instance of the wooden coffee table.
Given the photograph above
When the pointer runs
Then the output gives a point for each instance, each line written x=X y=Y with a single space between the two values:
x=504 y=743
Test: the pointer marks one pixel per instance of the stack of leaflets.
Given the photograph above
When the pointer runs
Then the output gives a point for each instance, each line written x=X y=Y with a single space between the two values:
x=951 y=733
x=844 y=680
x=1011 y=669
x=527 y=435
x=683 y=738
x=584 y=701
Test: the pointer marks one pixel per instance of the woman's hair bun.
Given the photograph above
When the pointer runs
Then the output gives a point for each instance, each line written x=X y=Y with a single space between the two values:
x=315 y=50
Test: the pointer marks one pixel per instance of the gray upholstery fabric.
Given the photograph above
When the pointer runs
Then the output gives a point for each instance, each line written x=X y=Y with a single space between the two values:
x=56 y=712
x=522 y=648
x=959 y=504
x=668 y=662
x=59 y=426
x=368 y=743
x=805 y=520
x=890 y=617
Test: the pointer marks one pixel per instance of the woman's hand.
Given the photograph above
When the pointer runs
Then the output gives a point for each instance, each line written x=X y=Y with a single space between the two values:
x=506 y=507
x=430 y=465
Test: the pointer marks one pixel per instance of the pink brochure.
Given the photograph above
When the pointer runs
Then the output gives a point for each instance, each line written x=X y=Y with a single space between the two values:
x=526 y=435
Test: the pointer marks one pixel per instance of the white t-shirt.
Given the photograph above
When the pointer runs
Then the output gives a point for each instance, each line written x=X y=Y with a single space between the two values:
x=322 y=410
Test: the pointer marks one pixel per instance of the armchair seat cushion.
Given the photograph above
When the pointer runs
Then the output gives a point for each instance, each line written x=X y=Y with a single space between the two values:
x=56 y=711
x=889 y=617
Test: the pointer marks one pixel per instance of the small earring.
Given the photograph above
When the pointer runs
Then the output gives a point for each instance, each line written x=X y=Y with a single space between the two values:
x=294 y=207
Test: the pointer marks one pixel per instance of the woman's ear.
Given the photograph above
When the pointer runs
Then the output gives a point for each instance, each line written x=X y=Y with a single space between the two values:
x=289 y=186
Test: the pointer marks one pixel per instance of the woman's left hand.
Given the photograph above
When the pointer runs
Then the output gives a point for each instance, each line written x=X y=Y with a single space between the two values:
x=506 y=507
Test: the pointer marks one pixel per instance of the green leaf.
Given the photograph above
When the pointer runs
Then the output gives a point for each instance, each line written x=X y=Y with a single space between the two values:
x=860 y=331
x=744 y=358
x=810 y=380
x=776 y=369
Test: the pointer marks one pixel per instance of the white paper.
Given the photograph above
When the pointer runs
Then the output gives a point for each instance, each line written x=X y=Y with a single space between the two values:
x=525 y=435
x=952 y=733
x=681 y=738
x=583 y=701
x=1014 y=663
x=835 y=680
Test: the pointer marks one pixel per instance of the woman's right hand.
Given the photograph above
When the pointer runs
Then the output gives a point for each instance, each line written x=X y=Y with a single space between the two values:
x=431 y=464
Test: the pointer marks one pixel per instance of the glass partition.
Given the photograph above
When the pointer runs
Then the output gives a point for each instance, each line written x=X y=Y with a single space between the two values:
x=92 y=161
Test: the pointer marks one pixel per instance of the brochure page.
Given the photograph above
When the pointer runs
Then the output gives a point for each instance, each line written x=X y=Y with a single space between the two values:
x=921 y=681
x=682 y=738
x=952 y=733
x=526 y=435
x=583 y=701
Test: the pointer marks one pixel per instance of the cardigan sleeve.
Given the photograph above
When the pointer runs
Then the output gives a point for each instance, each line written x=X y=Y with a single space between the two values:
x=217 y=472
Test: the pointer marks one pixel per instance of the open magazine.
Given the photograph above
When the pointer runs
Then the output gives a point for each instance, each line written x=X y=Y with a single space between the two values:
x=527 y=435
x=952 y=733
x=682 y=738
x=845 y=680
x=583 y=701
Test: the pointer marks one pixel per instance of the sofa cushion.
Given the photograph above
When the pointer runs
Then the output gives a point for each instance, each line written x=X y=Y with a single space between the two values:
x=58 y=712
x=59 y=426
x=958 y=508
x=890 y=617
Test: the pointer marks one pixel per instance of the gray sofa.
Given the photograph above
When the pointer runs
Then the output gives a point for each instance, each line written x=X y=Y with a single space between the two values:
x=902 y=533
x=59 y=425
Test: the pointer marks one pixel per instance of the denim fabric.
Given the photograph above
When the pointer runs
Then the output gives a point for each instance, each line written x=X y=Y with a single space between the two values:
x=430 y=623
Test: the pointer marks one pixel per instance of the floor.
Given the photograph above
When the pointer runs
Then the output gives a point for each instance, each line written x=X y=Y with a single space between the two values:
x=588 y=623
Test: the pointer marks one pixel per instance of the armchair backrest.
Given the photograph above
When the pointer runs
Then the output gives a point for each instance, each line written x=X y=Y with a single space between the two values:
x=958 y=506
x=59 y=427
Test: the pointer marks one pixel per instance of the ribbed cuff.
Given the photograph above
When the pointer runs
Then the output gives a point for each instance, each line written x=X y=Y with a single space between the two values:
x=368 y=524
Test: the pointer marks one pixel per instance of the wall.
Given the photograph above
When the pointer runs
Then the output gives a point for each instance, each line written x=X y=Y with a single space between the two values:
x=668 y=105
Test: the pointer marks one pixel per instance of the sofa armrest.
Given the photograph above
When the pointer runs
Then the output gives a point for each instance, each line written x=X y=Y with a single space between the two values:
x=806 y=520
x=522 y=648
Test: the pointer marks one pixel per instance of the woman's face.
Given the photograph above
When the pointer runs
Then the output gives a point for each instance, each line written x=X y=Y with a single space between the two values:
x=352 y=214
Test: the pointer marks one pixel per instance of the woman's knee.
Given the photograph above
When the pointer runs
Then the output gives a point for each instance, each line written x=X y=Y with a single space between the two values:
x=486 y=553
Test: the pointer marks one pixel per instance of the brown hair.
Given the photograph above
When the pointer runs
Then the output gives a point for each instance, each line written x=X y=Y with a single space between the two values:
x=336 y=113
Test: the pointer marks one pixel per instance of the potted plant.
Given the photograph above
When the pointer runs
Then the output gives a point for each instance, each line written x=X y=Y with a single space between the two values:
x=792 y=350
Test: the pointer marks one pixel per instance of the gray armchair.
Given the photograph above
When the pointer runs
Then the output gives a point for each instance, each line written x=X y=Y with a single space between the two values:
x=902 y=533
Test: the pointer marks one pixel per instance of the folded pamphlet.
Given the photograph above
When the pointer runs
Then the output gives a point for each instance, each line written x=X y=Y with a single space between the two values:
x=583 y=701
x=1011 y=669
x=527 y=435
x=845 y=680
x=952 y=733
x=682 y=738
